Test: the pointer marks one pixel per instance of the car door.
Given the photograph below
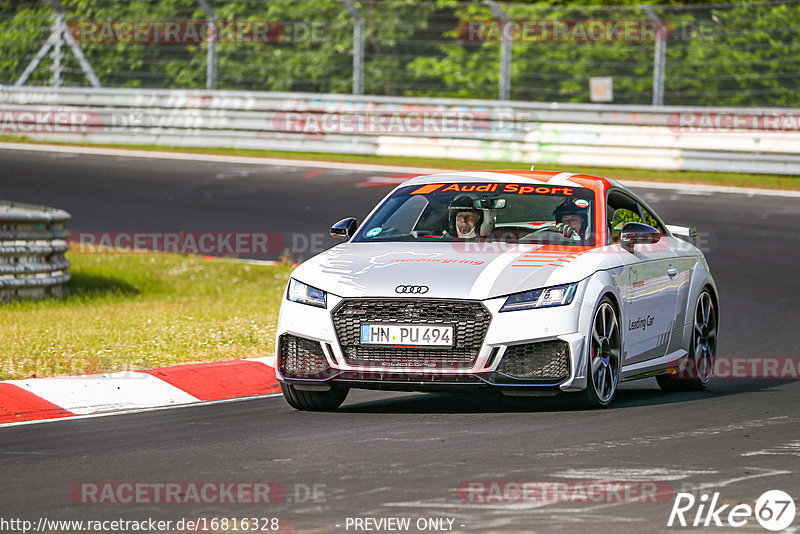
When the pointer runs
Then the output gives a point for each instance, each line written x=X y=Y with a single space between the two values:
x=651 y=284
x=687 y=259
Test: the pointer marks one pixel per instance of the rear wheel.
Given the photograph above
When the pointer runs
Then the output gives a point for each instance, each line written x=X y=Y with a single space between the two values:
x=605 y=356
x=318 y=401
x=697 y=368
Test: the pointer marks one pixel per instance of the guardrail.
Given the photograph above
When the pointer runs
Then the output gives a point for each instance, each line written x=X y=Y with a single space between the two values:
x=33 y=240
x=553 y=135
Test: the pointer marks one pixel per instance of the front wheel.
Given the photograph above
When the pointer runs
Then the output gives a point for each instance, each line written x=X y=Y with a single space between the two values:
x=697 y=368
x=318 y=401
x=605 y=356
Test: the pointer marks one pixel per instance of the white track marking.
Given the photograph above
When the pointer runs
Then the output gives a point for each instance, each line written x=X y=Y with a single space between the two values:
x=129 y=153
x=387 y=181
x=648 y=474
x=399 y=440
x=728 y=482
x=232 y=175
x=644 y=441
x=792 y=449
x=105 y=393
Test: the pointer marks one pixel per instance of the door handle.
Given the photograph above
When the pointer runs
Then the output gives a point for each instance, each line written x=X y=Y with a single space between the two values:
x=672 y=271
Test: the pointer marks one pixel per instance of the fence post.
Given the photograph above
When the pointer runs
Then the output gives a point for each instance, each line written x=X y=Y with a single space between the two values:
x=59 y=33
x=358 y=47
x=211 y=45
x=505 y=52
x=57 y=53
x=659 y=56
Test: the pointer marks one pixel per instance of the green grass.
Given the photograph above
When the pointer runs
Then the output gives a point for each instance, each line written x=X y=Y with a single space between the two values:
x=767 y=181
x=143 y=310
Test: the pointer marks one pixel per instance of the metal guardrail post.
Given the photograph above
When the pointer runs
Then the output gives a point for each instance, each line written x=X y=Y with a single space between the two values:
x=211 y=43
x=659 y=56
x=505 y=52
x=32 y=247
x=358 y=47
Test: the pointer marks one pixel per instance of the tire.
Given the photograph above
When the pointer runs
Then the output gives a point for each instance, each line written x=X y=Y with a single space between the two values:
x=697 y=369
x=316 y=401
x=605 y=356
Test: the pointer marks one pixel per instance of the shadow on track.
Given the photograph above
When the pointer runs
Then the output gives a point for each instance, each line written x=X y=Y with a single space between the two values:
x=494 y=402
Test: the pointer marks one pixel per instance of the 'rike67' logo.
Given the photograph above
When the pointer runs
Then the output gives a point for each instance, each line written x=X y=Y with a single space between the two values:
x=774 y=510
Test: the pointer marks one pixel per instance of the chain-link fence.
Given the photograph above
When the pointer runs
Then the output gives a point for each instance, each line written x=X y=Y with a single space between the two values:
x=742 y=54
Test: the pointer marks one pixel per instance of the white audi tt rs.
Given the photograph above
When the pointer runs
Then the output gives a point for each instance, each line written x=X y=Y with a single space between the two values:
x=527 y=282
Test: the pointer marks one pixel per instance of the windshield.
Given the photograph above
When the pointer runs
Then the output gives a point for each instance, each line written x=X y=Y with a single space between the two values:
x=476 y=211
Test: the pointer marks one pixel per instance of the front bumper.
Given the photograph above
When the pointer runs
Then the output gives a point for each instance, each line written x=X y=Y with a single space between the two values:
x=521 y=352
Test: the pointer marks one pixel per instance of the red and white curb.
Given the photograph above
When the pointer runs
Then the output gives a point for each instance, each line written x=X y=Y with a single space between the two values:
x=38 y=399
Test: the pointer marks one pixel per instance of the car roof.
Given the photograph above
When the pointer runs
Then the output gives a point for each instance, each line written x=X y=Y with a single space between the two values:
x=517 y=176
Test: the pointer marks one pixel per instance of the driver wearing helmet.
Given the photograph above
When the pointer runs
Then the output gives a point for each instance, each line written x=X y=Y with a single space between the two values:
x=571 y=219
x=466 y=221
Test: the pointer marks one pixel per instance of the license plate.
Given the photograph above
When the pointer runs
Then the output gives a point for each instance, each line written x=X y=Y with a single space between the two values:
x=407 y=334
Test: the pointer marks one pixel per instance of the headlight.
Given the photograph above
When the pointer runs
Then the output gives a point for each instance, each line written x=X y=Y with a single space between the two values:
x=305 y=294
x=540 y=298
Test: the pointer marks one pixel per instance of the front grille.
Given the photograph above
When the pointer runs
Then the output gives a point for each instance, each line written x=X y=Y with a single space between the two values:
x=470 y=321
x=410 y=377
x=301 y=358
x=545 y=360
x=391 y=357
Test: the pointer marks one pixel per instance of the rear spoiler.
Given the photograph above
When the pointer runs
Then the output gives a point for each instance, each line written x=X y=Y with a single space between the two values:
x=683 y=231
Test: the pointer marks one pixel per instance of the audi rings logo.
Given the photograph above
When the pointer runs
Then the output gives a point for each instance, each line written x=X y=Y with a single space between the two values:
x=419 y=290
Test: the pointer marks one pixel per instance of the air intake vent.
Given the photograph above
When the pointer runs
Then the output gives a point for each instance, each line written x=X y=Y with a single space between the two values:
x=544 y=360
x=301 y=358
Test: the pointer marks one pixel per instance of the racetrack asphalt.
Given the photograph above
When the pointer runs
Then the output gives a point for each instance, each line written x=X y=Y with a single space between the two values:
x=403 y=455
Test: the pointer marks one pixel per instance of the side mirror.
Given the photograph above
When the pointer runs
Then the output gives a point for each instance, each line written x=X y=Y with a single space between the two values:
x=634 y=233
x=344 y=229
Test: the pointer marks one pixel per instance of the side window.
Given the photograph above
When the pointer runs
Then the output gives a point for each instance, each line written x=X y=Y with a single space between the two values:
x=625 y=215
x=649 y=219
x=624 y=209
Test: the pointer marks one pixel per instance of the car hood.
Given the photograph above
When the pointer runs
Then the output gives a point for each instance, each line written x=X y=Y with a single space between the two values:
x=450 y=270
